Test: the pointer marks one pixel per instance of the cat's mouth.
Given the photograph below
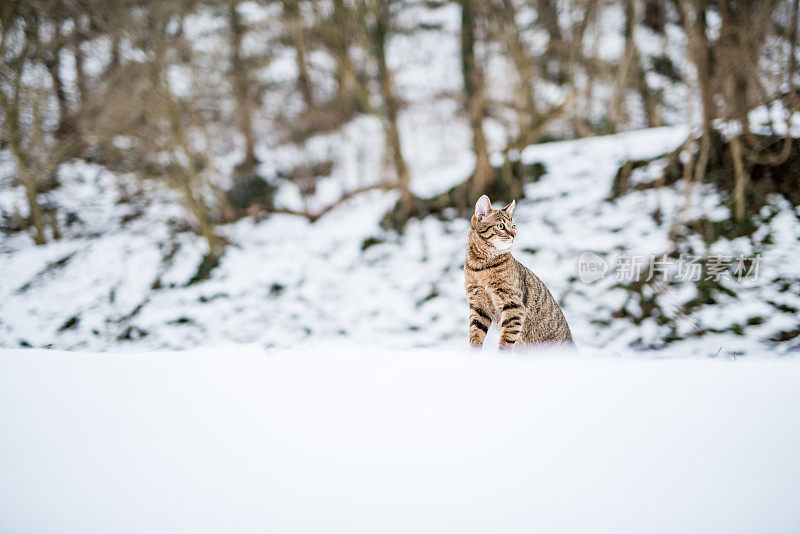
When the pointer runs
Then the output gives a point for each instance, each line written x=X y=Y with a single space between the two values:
x=504 y=244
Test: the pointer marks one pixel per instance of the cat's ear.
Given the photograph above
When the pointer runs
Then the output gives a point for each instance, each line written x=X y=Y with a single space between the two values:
x=483 y=207
x=510 y=208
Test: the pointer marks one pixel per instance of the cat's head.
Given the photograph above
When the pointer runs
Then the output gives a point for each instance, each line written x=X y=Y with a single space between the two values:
x=495 y=227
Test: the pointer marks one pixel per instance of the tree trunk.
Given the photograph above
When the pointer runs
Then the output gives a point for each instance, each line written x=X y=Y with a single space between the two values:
x=649 y=100
x=655 y=16
x=186 y=174
x=700 y=51
x=10 y=105
x=628 y=62
x=379 y=35
x=575 y=59
x=740 y=177
x=52 y=62
x=508 y=31
x=474 y=92
x=241 y=89
x=292 y=11
x=547 y=18
x=694 y=21
x=114 y=59
x=735 y=58
x=350 y=89
x=193 y=200
x=32 y=196
x=80 y=71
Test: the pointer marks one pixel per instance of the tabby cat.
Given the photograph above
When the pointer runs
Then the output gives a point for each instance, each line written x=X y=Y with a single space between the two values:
x=502 y=291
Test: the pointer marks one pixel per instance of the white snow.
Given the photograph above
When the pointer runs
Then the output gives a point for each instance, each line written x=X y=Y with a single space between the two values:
x=117 y=280
x=347 y=439
x=284 y=282
x=333 y=391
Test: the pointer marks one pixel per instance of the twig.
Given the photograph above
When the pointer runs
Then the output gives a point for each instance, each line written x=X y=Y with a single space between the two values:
x=312 y=217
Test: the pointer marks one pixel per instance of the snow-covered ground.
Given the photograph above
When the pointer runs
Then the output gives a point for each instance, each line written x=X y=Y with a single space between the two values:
x=318 y=381
x=284 y=282
x=242 y=439
x=118 y=279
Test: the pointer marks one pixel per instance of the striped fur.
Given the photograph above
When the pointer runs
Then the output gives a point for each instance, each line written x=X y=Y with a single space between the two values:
x=502 y=291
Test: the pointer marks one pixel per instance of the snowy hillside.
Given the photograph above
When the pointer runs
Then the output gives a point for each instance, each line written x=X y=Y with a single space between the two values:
x=240 y=439
x=124 y=273
x=123 y=281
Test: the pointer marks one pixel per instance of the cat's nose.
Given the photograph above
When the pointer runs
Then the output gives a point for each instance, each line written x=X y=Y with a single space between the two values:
x=512 y=233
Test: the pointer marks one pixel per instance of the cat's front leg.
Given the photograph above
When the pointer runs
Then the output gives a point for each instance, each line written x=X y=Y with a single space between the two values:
x=479 y=322
x=511 y=324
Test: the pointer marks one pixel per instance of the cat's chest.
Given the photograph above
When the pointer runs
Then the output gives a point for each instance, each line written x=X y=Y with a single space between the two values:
x=492 y=290
x=497 y=301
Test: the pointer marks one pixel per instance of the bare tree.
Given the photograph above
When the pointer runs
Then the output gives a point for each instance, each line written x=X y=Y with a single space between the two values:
x=693 y=16
x=631 y=73
x=475 y=96
x=379 y=33
x=242 y=88
x=503 y=14
x=39 y=146
x=292 y=13
x=167 y=119
x=338 y=35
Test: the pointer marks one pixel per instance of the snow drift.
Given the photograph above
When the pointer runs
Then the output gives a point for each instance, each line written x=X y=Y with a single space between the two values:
x=238 y=439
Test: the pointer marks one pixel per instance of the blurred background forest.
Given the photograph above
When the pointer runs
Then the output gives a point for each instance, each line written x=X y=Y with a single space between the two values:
x=176 y=173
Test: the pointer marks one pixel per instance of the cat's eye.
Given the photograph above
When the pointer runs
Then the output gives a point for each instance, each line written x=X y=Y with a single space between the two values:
x=501 y=226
